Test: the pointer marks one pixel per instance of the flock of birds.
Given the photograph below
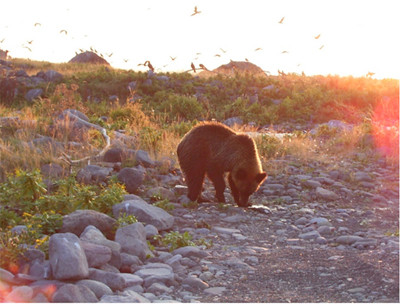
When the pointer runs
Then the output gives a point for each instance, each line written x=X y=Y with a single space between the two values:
x=151 y=67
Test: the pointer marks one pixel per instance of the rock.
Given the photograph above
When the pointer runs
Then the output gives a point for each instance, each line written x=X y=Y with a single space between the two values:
x=89 y=57
x=145 y=213
x=78 y=220
x=312 y=183
x=93 y=174
x=19 y=294
x=326 y=194
x=114 y=280
x=67 y=257
x=362 y=177
x=150 y=231
x=113 y=155
x=194 y=283
x=127 y=296
x=132 y=239
x=190 y=252
x=162 y=192
x=93 y=235
x=70 y=293
x=143 y=158
x=310 y=235
x=230 y=122
x=52 y=170
x=97 y=255
x=215 y=291
x=348 y=239
x=33 y=94
x=131 y=178
x=320 y=221
x=98 y=288
x=158 y=288
x=156 y=275
x=52 y=76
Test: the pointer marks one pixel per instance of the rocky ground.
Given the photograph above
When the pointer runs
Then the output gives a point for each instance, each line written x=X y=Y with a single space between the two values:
x=314 y=234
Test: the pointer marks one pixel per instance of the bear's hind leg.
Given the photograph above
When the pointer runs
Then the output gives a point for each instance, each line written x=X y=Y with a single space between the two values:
x=194 y=181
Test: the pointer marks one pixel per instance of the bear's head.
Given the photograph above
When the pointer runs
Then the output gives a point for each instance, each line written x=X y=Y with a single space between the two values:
x=246 y=181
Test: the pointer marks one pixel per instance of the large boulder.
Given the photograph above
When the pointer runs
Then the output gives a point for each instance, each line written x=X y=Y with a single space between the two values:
x=67 y=257
x=77 y=221
x=89 y=57
x=132 y=178
x=132 y=239
x=145 y=213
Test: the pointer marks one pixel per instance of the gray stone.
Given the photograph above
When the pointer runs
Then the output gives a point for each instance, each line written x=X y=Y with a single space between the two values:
x=150 y=231
x=33 y=94
x=97 y=255
x=94 y=235
x=53 y=76
x=145 y=213
x=127 y=296
x=98 y=288
x=158 y=289
x=362 y=177
x=67 y=257
x=113 y=155
x=215 y=291
x=156 y=275
x=131 y=178
x=309 y=235
x=90 y=58
x=143 y=158
x=116 y=281
x=190 y=252
x=132 y=239
x=312 y=183
x=225 y=230
x=320 y=221
x=162 y=192
x=77 y=221
x=348 y=239
x=194 y=283
x=230 y=122
x=326 y=194
x=93 y=174
x=70 y=293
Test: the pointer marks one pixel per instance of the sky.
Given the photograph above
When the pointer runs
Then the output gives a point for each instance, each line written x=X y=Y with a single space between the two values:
x=317 y=37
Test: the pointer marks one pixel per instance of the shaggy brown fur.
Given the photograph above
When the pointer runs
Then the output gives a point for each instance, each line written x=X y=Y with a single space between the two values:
x=213 y=149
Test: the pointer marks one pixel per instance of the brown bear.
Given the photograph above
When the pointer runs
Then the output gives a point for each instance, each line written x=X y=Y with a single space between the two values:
x=212 y=148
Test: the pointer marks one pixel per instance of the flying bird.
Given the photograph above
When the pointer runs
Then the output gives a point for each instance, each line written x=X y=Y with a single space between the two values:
x=223 y=51
x=30 y=42
x=172 y=58
x=247 y=60
x=126 y=60
x=109 y=55
x=370 y=74
x=195 y=11
x=217 y=55
x=193 y=67
x=63 y=31
x=28 y=48
x=316 y=37
x=281 y=21
x=2 y=40
x=321 y=47
x=284 y=52
x=257 y=49
x=37 y=24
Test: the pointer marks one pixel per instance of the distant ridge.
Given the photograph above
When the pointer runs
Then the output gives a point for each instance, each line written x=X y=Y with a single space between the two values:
x=235 y=67
x=89 y=57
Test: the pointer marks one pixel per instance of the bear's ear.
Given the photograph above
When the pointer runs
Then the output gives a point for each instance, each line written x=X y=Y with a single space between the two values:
x=260 y=177
x=241 y=174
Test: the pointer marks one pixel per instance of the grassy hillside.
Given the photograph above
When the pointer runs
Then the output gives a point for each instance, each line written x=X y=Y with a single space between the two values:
x=158 y=109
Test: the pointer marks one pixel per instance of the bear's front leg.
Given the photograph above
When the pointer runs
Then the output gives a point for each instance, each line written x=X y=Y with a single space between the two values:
x=217 y=179
x=234 y=190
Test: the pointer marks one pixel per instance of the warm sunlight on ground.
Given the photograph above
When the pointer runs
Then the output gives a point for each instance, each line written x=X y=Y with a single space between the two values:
x=315 y=37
